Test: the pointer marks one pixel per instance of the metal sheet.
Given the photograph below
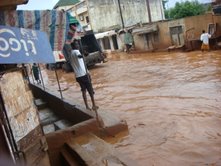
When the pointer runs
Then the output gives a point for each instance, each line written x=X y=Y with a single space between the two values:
x=19 y=45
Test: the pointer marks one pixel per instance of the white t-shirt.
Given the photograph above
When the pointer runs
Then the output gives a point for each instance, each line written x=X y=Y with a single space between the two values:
x=205 y=38
x=77 y=63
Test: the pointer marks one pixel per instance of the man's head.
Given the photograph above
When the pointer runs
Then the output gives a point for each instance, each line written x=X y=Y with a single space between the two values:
x=75 y=45
x=73 y=26
x=203 y=31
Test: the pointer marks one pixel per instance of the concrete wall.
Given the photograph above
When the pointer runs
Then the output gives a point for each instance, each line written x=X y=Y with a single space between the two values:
x=105 y=15
x=61 y=108
x=134 y=12
x=217 y=19
x=23 y=118
x=164 y=35
x=140 y=42
x=199 y=23
x=18 y=102
x=80 y=11
x=156 y=10
x=194 y=24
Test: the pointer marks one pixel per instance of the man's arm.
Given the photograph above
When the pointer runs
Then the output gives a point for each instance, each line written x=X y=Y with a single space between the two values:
x=201 y=37
x=209 y=36
x=80 y=56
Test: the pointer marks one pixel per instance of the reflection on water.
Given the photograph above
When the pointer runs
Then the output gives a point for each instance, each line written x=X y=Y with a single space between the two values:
x=171 y=102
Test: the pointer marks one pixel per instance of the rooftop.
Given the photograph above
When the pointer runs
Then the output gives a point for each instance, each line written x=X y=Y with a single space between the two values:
x=65 y=3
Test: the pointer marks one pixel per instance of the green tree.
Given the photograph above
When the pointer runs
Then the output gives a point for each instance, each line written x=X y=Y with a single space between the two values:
x=185 y=9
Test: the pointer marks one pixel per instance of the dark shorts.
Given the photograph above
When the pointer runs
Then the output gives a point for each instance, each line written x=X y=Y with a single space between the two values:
x=85 y=83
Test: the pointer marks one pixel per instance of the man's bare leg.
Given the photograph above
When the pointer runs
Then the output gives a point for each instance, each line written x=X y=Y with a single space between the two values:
x=85 y=100
x=94 y=107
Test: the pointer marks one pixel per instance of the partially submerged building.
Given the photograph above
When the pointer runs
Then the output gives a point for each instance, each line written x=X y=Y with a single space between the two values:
x=146 y=19
x=186 y=32
x=107 y=18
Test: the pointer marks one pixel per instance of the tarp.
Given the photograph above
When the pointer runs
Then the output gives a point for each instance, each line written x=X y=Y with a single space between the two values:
x=73 y=20
x=55 y=23
x=19 y=45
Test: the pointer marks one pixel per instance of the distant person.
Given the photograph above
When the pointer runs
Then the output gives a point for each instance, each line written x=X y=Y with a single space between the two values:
x=35 y=70
x=25 y=72
x=81 y=74
x=128 y=40
x=205 y=41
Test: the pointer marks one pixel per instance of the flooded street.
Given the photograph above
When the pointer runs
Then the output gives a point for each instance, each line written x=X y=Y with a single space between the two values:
x=171 y=102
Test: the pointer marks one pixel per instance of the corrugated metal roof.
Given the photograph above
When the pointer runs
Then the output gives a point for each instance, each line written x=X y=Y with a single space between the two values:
x=145 y=30
x=66 y=3
x=105 y=34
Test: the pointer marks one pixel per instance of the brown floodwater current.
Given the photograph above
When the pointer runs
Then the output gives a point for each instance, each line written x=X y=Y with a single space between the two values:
x=171 y=102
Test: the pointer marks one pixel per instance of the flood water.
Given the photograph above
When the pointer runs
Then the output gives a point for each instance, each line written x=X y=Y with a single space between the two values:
x=171 y=102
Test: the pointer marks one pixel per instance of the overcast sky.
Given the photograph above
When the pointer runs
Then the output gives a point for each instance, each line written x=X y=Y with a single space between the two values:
x=38 y=5
x=49 y=4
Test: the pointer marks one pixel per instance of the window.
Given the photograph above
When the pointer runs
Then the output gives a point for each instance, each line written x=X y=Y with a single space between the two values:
x=87 y=19
x=81 y=17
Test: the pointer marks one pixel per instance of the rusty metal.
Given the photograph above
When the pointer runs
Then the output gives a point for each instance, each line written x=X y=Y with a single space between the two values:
x=58 y=83
x=7 y=128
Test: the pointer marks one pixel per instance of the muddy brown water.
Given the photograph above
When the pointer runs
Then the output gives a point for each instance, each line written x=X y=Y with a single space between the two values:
x=171 y=102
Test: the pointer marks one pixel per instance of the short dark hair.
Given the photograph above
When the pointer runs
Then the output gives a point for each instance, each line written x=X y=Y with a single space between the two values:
x=203 y=31
x=75 y=44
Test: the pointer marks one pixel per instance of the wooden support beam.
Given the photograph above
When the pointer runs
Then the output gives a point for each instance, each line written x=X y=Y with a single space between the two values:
x=12 y=7
x=12 y=2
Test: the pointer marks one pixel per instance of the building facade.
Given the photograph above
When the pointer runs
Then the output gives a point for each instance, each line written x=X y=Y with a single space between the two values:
x=146 y=19
x=107 y=17
x=179 y=33
x=80 y=11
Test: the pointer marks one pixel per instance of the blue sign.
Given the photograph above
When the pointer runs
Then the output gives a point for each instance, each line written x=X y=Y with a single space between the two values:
x=19 y=45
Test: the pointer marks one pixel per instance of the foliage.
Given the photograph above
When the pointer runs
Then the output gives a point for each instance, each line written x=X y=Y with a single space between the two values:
x=185 y=9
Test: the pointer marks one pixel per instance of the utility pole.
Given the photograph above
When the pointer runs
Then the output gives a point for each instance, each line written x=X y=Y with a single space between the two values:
x=121 y=16
x=148 y=10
